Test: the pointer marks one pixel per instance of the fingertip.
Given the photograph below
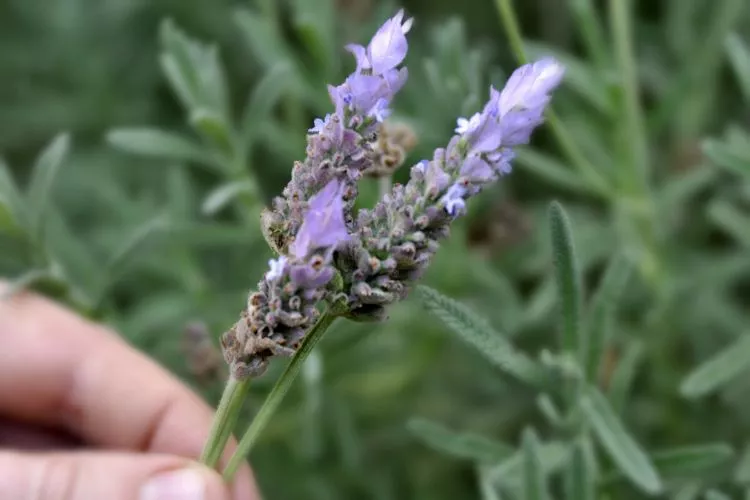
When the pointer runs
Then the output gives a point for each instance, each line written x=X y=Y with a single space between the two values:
x=191 y=483
x=244 y=486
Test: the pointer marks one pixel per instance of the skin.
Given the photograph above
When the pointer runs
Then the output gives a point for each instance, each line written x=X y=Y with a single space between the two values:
x=84 y=415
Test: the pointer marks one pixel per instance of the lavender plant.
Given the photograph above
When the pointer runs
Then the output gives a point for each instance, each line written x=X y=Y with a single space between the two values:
x=356 y=266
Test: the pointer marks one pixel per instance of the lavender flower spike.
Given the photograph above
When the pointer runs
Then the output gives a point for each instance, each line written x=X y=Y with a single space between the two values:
x=399 y=236
x=279 y=314
x=340 y=145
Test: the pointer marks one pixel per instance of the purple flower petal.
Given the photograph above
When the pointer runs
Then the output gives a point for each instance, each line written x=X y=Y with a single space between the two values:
x=323 y=225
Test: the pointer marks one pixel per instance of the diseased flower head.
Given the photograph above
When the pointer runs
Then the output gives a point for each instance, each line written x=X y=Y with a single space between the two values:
x=323 y=225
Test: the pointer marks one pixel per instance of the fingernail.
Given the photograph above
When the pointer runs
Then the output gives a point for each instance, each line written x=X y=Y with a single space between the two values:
x=185 y=484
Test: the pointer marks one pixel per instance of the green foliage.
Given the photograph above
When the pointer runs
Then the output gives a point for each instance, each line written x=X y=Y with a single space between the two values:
x=648 y=149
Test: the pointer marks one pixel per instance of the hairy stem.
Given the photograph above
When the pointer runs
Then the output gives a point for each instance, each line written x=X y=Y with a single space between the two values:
x=272 y=402
x=224 y=420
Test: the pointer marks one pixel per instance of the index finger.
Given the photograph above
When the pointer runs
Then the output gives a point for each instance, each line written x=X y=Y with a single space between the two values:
x=57 y=369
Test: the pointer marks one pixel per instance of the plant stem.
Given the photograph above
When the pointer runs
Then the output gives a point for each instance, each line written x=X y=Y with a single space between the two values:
x=224 y=420
x=619 y=11
x=568 y=146
x=272 y=402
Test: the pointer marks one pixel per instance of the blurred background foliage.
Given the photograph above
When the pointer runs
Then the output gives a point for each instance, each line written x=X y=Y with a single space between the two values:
x=142 y=138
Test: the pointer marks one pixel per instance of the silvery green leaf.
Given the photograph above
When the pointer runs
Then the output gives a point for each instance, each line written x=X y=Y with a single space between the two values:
x=553 y=455
x=477 y=332
x=549 y=410
x=13 y=216
x=263 y=97
x=716 y=495
x=23 y=282
x=718 y=370
x=487 y=489
x=601 y=315
x=133 y=244
x=739 y=55
x=160 y=144
x=692 y=461
x=551 y=170
x=731 y=220
x=214 y=129
x=43 y=175
x=568 y=277
x=534 y=480
x=580 y=474
x=463 y=445
x=621 y=380
x=224 y=194
x=624 y=451
x=742 y=471
x=194 y=70
x=728 y=157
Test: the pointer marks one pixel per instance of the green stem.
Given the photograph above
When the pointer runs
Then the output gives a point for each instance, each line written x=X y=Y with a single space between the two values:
x=568 y=146
x=272 y=402
x=224 y=420
x=623 y=44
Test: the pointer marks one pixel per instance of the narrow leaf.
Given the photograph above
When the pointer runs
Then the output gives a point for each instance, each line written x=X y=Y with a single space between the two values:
x=721 y=368
x=727 y=156
x=621 y=447
x=601 y=315
x=214 y=129
x=742 y=471
x=553 y=455
x=12 y=205
x=534 y=484
x=580 y=478
x=568 y=276
x=716 y=495
x=23 y=282
x=731 y=220
x=551 y=170
x=159 y=144
x=692 y=461
x=134 y=242
x=263 y=97
x=621 y=379
x=460 y=445
x=220 y=197
x=481 y=335
x=43 y=176
x=739 y=56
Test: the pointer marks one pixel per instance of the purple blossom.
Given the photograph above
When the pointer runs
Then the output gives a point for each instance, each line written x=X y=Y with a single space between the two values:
x=369 y=90
x=310 y=276
x=453 y=200
x=387 y=49
x=323 y=225
x=511 y=115
x=528 y=88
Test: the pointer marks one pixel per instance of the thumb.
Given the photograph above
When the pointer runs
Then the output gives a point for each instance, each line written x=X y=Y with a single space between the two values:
x=114 y=476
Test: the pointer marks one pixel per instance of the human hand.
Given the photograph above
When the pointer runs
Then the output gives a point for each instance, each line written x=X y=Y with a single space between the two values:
x=83 y=416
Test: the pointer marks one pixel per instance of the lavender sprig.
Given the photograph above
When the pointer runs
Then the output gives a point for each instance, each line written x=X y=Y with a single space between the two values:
x=339 y=145
x=397 y=239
